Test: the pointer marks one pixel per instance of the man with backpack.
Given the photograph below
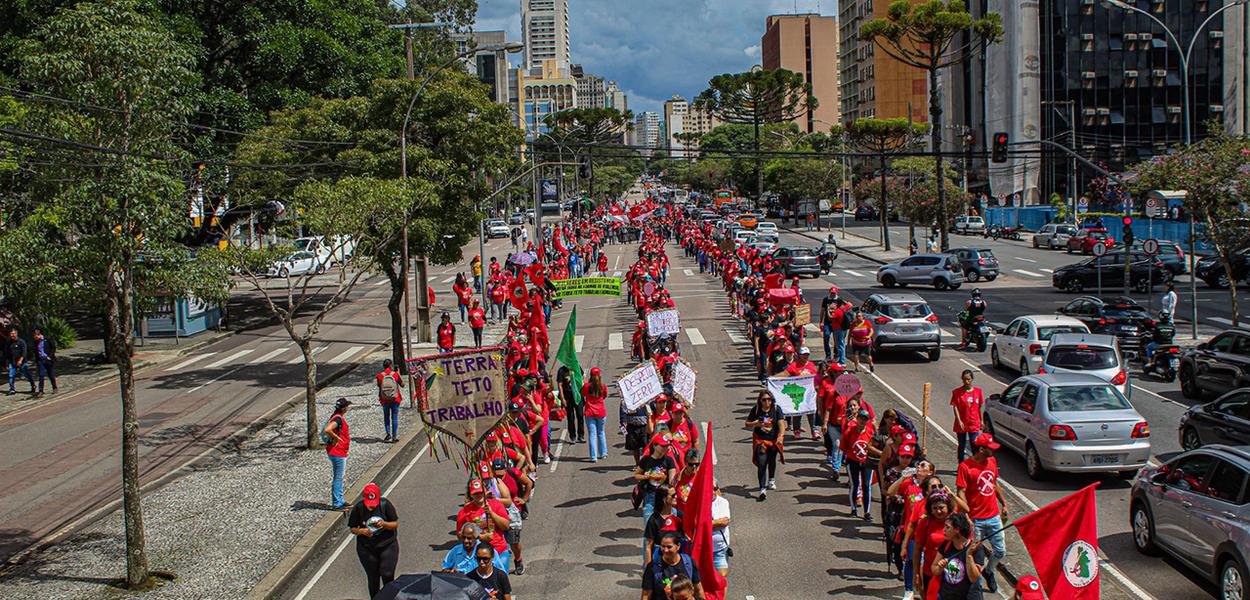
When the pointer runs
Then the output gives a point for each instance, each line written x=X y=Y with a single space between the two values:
x=390 y=395
x=338 y=440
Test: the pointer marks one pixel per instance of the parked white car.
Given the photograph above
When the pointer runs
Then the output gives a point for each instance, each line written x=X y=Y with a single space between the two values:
x=497 y=228
x=967 y=224
x=1091 y=354
x=1023 y=343
x=329 y=250
x=298 y=263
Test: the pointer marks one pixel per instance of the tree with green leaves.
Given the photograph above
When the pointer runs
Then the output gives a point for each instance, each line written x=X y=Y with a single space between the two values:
x=113 y=200
x=884 y=137
x=593 y=132
x=919 y=203
x=756 y=98
x=924 y=35
x=1214 y=173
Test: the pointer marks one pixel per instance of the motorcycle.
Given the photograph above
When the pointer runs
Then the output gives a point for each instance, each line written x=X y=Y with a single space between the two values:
x=828 y=253
x=978 y=332
x=1010 y=233
x=1160 y=357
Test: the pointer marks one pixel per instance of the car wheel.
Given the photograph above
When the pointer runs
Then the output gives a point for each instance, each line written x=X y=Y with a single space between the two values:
x=1232 y=580
x=1074 y=285
x=974 y=275
x=935 y=354
x=994 y=357
x=941 y=284
x=1190 y=439
x=1143 y=530
x=887 y=280
x=1024 y=366
x=284 y=273
x=1033 y=463
x=1189 y=387
x=1222 y=281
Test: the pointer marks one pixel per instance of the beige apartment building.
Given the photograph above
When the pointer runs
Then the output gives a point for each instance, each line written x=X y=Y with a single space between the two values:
x=873 y=84
x=807 y=44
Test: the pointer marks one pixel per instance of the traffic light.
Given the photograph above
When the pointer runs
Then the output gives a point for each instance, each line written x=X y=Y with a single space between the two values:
x=1128 y=231
x=999 y=154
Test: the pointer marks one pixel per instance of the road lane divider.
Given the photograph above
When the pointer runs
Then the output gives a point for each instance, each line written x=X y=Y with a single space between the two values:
x=1028 y=273
x=578 y=340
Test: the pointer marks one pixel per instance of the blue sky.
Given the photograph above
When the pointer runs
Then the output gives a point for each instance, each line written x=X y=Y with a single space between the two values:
x=656 y=48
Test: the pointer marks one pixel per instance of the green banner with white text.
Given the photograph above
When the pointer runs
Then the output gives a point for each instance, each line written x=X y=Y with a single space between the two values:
x=587 y=286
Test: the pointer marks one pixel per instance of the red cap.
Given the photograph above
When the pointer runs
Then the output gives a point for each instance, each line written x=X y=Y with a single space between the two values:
x=475 y=487
x=909 y=438
x=372 y=496
x=594 y=370
x=789 y=348
x=833 y=289
x=897 y=429
x=676 y=406
x=836 y=367
x=1030 y=588
x=522 y=372
x=907 y=450
x=659 y=440
x=986 y=440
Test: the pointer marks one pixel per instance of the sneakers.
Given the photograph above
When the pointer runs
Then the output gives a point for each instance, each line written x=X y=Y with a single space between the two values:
x=387 y=439
x=772 y=484
x=909 y=595
x=547 y=459
x=520 y=567
x=854 y=512
x=867 y=517
x=763 y=495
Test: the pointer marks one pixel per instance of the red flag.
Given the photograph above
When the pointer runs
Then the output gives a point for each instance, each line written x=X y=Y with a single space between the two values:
x=773 y=280
x=697 y=522
x=535 y=272
x=1062 y=539
x=518 y=294
x=616 y=209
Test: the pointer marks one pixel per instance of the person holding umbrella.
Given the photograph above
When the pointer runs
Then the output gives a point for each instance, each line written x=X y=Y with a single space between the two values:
x=373 y=521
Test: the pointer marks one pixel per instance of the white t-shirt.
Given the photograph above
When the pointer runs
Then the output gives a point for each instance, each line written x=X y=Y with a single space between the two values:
x=720 y=510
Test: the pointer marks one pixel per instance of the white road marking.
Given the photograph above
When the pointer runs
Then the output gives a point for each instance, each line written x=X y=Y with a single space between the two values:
x=616 y=273
x=696 y=338
x=230 y=359
x=616 y=264
x=1026 y=260
x=947 y=334
x=616 y=341
x=688 y=272
x=272 y=353
x=347 y=539
x=450 y=279
x=346 y=354
x=852 y=273
x=1028 y=273
x=811 y=327
x=1221 y=321
x=383 y=281
x=186 y=363
x=578 y=340
x=970 y=365
x=555 y=456
x=1049 y=270
x=299 y=360
x=735 y=337
x=1163 y=398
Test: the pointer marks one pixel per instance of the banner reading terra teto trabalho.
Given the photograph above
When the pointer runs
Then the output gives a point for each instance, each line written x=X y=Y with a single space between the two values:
x=462 y=393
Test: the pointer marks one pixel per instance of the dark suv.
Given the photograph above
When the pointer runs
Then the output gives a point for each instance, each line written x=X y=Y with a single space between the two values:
x=978 y=263
x=1217 y=366
x=1211 y=270
x=1120 y=317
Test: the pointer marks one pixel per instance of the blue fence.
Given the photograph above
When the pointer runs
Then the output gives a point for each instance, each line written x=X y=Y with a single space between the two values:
x=1032 y=218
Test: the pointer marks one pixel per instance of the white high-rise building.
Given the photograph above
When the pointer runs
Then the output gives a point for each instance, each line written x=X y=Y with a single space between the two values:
x=613 y=97
x=647 y=131
x=676 y=109
x=545 y=28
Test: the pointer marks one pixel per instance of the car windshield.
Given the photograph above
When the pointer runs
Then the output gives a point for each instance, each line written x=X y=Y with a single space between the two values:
x=1047 y=332
x=303 y=244
x=1074 y=398
x=1126 y=312
x=1082 y=357
x=906 y=310
x=802 y=252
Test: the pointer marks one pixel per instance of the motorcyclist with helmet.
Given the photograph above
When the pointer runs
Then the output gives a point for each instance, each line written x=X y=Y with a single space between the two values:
x=973 y=309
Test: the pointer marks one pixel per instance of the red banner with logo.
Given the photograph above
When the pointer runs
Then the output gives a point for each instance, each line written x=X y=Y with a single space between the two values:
x=1062 y=539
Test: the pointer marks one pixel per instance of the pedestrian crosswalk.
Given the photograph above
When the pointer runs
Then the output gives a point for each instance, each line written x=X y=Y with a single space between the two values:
x=735 y=336
x=270 y=355
x=688 y=272
x=616 y=273
x=696 y=338
x=347 y=354
x=616 y=341
x=230 y=359
x=299 y=357
x=1028 y=273
x=853 y=273
x=186 y=363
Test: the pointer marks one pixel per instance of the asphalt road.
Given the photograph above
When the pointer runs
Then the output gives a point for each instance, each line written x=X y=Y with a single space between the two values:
x=61 y=458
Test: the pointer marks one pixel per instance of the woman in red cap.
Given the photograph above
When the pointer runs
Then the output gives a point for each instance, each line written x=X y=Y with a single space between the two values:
x=594 y=393
x=373 y=521
x=477 y=322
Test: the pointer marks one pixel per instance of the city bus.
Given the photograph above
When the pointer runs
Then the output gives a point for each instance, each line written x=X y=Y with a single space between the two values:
x=723 y=196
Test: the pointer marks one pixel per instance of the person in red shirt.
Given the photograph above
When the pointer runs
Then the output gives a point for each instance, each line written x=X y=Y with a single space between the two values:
x=390 y=394
x=464 y=294
x=491 y=519
x=446 y=335
x=603 y=264
x=499 y=299
x=338 y=440
x=832 y=407
x=477 y=322
x=857 y=446
x=928 y=534
x=799 y=367
x=982 y=491
x=967 y=401
x=594 y=394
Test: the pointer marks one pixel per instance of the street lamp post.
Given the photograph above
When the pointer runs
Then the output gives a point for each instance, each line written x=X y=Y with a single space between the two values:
x=423 y=316
x=1185 y=52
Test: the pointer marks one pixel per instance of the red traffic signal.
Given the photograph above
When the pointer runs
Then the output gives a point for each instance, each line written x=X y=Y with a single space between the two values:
x=1128 y=220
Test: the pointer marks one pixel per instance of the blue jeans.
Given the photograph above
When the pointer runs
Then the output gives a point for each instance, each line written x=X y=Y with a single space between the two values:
x=338 y=464
x=965 y=442
x=47 y=369
x=839 y=345
x=648 y=507
x=24 y=369
x=835 y=435
x=390 y=419
x=990 y=529
x=828 y=331
x=598 y=437
x=861 y=484
x=464 y=308
x=909 y=573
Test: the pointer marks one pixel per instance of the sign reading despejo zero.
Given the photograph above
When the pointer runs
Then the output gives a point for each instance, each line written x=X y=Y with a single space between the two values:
x=663 y=322
x=587 y=286
x=684 y=381
x=639 y=386
x=462 y=393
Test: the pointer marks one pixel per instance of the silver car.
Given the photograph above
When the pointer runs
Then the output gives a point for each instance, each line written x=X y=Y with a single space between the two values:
x=1054 y=235
x=942 y=271
x=1195 y=508
x=1023 y=342
x=1091 y=354
x=1072 y=423
x=904 y=321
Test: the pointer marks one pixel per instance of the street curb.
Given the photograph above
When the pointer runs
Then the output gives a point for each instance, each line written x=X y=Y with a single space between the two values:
x=233 y=439
x=840 y=248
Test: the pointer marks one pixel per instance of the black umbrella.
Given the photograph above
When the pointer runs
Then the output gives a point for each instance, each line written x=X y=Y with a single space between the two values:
x=433 y=586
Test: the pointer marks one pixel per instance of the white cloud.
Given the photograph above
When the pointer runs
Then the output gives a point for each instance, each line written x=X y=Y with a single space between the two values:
x=752 y=51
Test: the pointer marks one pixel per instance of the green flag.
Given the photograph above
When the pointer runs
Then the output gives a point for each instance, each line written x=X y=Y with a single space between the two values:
x=567 y=355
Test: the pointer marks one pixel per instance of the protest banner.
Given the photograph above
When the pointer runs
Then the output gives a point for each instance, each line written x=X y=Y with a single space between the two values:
x=587 y=286
x=639 y=386
x=663 y=322
x=794 y=395
x=462 y=393
x=802 y=314
x=847 y=385
x=684 y=381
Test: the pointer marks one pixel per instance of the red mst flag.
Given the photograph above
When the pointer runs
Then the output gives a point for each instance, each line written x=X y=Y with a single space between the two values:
x=1062 y=539
x=616 y=209
x=517 y=293
x=535 y=272
x=698 y=523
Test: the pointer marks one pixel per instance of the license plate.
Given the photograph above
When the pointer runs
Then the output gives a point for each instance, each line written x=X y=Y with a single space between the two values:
x=1104 y=459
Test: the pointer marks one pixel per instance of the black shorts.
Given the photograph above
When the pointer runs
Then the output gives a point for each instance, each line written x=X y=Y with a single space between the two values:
x=861 y=351
x=512 y=536
x=635 y=437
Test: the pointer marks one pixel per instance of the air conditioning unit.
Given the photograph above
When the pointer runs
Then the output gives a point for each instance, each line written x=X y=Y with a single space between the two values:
x=1174 y=110
x=1145 y=37
x=1130 y=37
x=1104 y=111
x=1159 y=72
x=1130 y=73
x=1217 y=108
x=1216 y=35
x=1088 y=74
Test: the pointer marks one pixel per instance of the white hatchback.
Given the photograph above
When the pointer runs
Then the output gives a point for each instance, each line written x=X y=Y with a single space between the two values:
x=1022 y=344
x=1091 y=354
x=766 y=227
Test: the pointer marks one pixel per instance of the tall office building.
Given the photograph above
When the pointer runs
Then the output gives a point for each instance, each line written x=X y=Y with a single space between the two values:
x=806 y=44
x=676 y=110
x=545 y=28
x=490 y=67
x=541 y=92
x=613 y=97
x=591 y=89
x=872 y=84
x=647 y=131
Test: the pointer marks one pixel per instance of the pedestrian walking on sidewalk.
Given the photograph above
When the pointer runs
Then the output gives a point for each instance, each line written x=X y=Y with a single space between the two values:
x=963 y=563
x=982 y=492
x=477 y=322
x=390 y=395
x=594 y=394
x=446 y=335
x=336 y=435
x=856 y=444
x=373 y=521
x=45 y=360
x=494 y=581
x=15 y=353
x=463 y=295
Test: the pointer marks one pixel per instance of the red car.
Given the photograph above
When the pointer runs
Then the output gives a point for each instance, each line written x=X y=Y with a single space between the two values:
x=1085 y=239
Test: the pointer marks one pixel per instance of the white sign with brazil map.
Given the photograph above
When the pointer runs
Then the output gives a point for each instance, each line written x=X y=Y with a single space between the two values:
x=794 y=395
